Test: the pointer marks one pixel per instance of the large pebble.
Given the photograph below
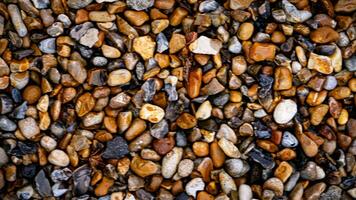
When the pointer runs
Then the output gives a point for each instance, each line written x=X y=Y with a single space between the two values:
x=285 y=111
x=59 y=158
x=312 y=172
x=236 y=167
x=29 y=127
x=205 y=45
x=170 y=162
x=193 y=186
x=119 y=77
x=152 y=113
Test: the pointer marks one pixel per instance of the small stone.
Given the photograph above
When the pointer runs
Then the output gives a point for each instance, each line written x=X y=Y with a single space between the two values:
x=185 y=167
x=205 y=45
x=81 y=179
x=116 y=148
x=204 y=111
x=227 y=183
x=314 y=191
x=324 y=35
x=90 y=37
x=42 y=184
x=6 y=124
x=208 y=6
x=48 y=143
x=55 y=29
x=282 y=79
x=283 y=171
x=59 y=158
x=152 y=113
x=289 y=140
x=48 y=45
x=285 y=111
x=158 y=26
x=103 y=187
x=29 y=127
x=143 y=168
x=186 y=121
x=16 y=19
x=226 y=132
x=275 y=185
x=25 y=192
x=136 y=18
x=145 y=46
x=162 y=43
x=262 y=51
x=160 y=129
x=176 y=43
x=234 y=45
x=80 y=30
x=240 y=4
x=101 y=16
x=330 y=83
x=77 y=71
x=170 y=162
x=345 y=6
x=77 y=4
x=84 y=104
x=236 y=167
x=245 y=192
x=229 y=148
x=293 y=14
x=333 y=192
x=110 y=52
x=245 y=31
x=119 y=77
x=193 y=186
x=350 y=63
x=140 y=4
x=212 y=88
x=3 y=157
x=312 y=172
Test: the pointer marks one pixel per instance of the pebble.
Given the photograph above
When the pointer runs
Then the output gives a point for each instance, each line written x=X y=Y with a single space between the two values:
x=160 y=129
x=42 y=184
x=90 y=37
x=330 y=83
x=140 y=4
x=77 y=71
x=285 y=111
x=333 y=192
x=227 y=183
x=162 y=43
x=29 y=127
x=262 y=51
x=289 y=140
x=145 y=46
x=143 y=168
x=293 y=14
x=324 y=35
x=193 y=186
x=152 y=113
x=245 y=192
x=48 y=45
x=236 y=167
x=59 y=158
x=205 y=45
x=6 y=124
x=110 y=52
x=351 y=63
x=234 y=45
x=77 y=4
x=116 y=148
x=185 y=167
x=48 y=143
x=208 y=6
x=119 y=77
x=204 y=111
x=3 y=157
x=314 y=191
x=55 y=29
x=229 y=148
x=312 y=172
x=275 y=185
x=17 y=20
x=170 y=162
x=25 y=193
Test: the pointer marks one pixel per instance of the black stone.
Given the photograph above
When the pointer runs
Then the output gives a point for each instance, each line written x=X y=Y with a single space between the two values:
x=117 y=148
x=263 y=159
x=29 y=171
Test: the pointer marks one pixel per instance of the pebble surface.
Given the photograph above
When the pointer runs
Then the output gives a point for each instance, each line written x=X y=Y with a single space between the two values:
x=177 y=99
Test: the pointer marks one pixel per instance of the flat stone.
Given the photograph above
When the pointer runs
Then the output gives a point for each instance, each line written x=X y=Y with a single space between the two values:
x=205 y=45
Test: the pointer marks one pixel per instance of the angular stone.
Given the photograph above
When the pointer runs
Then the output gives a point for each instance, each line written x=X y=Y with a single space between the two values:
x=116 y=148
x=205 y=45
